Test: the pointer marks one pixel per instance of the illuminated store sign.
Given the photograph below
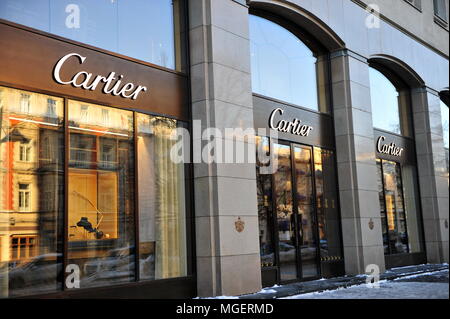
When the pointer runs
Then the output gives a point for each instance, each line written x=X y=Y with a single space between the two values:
x=112 y=83
x=294 y=127
x=389 y=149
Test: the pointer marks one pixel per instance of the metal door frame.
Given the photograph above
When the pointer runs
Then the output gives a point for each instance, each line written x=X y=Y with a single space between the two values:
x=315 y=227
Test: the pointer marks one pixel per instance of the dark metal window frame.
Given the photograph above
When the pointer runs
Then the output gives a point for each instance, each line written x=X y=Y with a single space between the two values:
x=417 y=4
x=274 y=221
x=188 y=169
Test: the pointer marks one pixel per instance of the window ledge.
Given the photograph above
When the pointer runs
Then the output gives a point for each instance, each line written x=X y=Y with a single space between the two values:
x=414 y=6
x=441 y=22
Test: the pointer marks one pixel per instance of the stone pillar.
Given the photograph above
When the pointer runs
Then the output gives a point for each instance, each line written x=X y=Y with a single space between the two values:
x=228 y=260
x=356 y=161
x=432 y=172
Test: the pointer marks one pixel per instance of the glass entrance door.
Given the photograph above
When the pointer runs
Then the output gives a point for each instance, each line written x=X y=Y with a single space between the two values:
x=392 y=203
x=294 y=199
x=284 y=207
x=306 y=212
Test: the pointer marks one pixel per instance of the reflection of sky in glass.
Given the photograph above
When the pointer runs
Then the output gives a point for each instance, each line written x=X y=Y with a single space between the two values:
x=142 y=29
x=444 y=116
x=282 y=66
x=385 y=110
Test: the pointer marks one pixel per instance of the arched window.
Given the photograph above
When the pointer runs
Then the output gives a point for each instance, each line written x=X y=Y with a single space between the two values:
x=385 y=103
x=283 y=67
x=397 y=174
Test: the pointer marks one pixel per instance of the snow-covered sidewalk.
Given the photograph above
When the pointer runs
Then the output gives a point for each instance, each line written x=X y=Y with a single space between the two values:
x=428 y=281
x=419 y=286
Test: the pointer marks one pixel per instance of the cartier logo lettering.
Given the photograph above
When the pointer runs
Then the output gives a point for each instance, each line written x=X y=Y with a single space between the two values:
x=294 y=127
x=112 y=84
x=389 y=149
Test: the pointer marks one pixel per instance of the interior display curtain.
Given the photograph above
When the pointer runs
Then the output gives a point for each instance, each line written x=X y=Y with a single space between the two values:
x=170 y=219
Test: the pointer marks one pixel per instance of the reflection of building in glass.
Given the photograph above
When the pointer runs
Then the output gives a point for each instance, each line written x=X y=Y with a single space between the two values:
x=30 y=177
x=101 y=232
x=100 y=197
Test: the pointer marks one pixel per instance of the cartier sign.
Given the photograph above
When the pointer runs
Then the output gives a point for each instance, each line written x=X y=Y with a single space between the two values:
x=294 y=127
x=112 y=83
x=389 y=149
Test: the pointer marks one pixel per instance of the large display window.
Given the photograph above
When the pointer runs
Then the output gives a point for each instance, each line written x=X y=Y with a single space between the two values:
x=162 y=204
x=90 y=199
x=393 y=217
x=100 y=193
x=399 y=198
x=94 y=229
x=400 y=211
x=31 y=192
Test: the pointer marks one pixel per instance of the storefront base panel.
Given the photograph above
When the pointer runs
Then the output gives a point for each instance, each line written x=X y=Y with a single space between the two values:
x=402 y=260
x=269 y=277
x=329 y=270
x=180 y=288
x=333 y=269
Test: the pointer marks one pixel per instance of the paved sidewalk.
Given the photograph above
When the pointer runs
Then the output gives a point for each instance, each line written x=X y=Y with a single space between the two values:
x=397 y=274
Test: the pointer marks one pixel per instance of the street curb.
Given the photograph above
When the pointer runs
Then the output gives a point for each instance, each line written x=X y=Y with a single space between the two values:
x=339 y=282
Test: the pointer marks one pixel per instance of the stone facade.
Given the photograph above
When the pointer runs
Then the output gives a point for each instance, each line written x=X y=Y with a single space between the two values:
x=228 y=260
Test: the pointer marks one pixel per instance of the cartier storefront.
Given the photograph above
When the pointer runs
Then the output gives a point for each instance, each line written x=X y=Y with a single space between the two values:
x=351 y=141
x=90 y=202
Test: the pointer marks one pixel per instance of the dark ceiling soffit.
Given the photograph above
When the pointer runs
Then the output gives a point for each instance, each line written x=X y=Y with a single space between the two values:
x=444 y=95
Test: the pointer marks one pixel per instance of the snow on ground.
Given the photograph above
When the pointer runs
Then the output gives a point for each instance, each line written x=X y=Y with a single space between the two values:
x=388 y=290
x=410 y=285
x=218 y=297
x=420 y=275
